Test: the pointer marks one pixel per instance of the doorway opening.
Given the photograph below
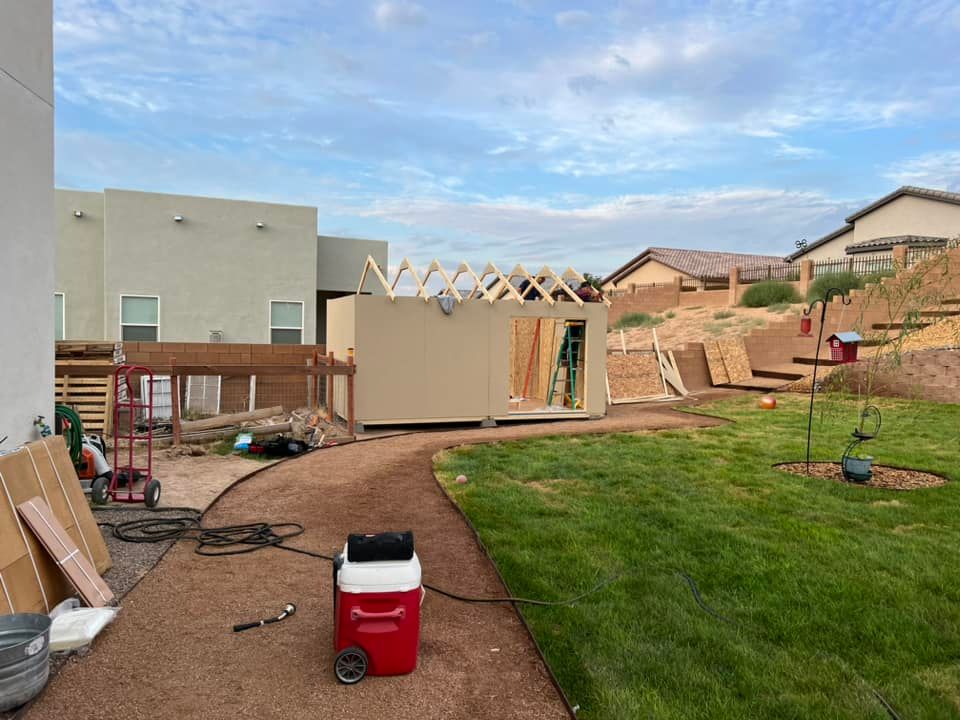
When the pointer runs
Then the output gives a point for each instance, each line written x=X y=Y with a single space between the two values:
x=547 y=365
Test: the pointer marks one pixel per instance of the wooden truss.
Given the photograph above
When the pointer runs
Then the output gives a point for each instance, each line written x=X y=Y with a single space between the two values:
x=490 y=285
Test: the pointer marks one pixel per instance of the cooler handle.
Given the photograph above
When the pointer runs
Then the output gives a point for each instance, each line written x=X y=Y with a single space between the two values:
x=395 y=614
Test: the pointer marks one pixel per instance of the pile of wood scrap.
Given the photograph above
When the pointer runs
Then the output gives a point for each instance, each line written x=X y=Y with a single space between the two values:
x=45 y=528
x=643 y=377
x=91 y=397
x=267 y=421
x=727 y=361
x=91 y=351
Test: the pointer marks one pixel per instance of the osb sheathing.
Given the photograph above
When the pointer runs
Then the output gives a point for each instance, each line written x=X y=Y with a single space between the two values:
x=544 y=356
x=735 y=359
x=633 y=376
x=718 y=371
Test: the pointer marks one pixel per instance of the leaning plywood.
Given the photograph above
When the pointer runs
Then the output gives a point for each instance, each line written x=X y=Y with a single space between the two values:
x=735 y=359
x=74 y=564
x=633 y=376
x=30 y=580
x=718 y=372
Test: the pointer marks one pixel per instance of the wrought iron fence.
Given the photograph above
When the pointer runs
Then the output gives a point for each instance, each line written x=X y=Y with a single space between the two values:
x=917 y=255
x=634 y=288
x=860 y=266
x=784 y=272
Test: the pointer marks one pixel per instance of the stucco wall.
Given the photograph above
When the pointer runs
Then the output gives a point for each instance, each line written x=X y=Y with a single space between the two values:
x=26 y=207
x=415 y=364
x=833 y=250
x=909 y=215
x=79 y=262
x=340 y=263
x=650 y=272
x=215 y=270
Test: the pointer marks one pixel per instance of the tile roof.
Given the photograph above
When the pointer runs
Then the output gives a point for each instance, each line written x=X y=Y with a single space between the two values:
x=885 y=243
x=913 y=191
x=701 y=264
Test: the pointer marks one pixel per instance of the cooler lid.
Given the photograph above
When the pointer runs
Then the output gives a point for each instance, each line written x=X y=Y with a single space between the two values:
x=379 y=576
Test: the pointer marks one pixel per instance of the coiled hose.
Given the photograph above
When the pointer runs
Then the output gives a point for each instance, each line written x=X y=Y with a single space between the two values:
x=72 y=431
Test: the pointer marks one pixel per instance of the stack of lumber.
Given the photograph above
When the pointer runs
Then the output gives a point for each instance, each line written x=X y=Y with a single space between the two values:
x=91 y=397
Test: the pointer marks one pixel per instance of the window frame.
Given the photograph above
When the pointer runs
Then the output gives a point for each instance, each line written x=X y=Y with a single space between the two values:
x=123 y=324
x=271 y=327
x=63 y=316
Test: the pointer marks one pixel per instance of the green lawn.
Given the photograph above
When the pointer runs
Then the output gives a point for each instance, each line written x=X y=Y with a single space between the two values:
x=835 y=590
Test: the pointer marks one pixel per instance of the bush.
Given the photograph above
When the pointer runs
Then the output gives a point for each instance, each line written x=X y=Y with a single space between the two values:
x=846 y=281
x=669 y=314
x=770 y=292
x=723 y=314
x=637 y=319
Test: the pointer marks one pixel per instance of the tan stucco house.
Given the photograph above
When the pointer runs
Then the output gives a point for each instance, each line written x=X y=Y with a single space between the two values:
x=658 y=265
x=910 y=216
x=156 y=267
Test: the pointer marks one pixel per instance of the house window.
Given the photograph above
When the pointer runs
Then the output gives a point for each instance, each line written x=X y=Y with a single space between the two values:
x=286 y=322
x=58 y=309
x=139 y=317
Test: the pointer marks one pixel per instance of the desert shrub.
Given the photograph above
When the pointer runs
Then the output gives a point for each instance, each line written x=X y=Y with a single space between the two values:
x=669 y=314
x=723 y=314
x=769 y=292
x=846 y=281
x=638 y=319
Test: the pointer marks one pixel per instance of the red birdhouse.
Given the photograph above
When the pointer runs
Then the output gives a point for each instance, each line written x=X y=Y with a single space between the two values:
x=843 y=346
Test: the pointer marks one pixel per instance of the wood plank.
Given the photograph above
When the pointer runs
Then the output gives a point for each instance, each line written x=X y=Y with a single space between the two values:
x=91 y=369
x=673 y=364
x=226 y=420
x=74 y=564
x=735 y=359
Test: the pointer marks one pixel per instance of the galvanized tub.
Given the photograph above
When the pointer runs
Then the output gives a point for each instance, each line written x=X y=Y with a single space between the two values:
x=24 y=657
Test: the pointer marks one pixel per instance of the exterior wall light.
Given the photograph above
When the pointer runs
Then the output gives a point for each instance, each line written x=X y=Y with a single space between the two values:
x=178 y=218
x=78 y=213
x=260 y=225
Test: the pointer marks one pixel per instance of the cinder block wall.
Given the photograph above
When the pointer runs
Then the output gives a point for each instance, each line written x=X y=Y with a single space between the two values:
x=289 y=392
x=692 y=364
x=922 y=375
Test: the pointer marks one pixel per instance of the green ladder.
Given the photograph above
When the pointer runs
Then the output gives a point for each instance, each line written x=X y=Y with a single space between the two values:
x=569 y=363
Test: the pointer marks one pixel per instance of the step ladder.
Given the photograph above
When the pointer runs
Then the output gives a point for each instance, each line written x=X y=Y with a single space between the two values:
x=569 y=365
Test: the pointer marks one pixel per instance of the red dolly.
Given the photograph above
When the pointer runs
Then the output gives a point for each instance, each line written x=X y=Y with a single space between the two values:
x=126 y=407
x=376 y=606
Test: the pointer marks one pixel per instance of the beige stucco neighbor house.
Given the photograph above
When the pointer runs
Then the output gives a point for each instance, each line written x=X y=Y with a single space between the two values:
x=910 y=216
x=26 y=209
x=156 y=267
x=663 y=265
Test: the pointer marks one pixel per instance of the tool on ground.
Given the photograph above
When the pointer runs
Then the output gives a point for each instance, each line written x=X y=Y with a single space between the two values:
x=376 y=606
x=129 y=413
x=288 y=610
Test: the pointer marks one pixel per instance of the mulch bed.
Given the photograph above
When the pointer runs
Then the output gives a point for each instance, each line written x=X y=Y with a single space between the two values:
x=884 y=477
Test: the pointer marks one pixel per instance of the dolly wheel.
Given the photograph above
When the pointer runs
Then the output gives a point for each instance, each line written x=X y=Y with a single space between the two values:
x=350 y=665
x=151 y=493
x=98 y=491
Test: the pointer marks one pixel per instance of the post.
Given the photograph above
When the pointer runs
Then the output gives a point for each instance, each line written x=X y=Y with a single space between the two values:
x=316 y=378
x=175 y=400
x=330 y=363
x=310 y=385
x=734 y=281
x=806 y=276
x=677 y=289
x=899 y=257
x=253 y=393
x=351 y=418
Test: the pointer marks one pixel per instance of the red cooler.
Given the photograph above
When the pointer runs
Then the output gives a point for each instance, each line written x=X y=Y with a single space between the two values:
x=377 y=596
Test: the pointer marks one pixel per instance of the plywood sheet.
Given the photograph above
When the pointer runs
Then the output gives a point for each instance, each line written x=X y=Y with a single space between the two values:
x=633 y=376
x=718 y=371
x=735 y=359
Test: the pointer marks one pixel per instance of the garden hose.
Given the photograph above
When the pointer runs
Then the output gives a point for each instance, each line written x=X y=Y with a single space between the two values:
x=72 y=431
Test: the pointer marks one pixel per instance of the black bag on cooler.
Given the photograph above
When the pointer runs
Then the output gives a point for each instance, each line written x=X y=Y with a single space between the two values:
x=382 y=546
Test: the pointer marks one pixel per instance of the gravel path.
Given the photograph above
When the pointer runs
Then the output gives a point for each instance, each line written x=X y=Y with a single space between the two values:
x=476 y=661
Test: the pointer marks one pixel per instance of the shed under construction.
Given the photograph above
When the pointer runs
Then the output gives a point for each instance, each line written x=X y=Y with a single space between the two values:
x=480 y=347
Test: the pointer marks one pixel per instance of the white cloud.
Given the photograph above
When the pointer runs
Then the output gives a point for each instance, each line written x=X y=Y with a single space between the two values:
x=938 y=170
x=796 y=152
x=569 y=19
x=393 y=14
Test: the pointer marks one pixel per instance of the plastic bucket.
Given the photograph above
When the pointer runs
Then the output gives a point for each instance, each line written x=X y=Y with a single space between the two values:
x=24 y=657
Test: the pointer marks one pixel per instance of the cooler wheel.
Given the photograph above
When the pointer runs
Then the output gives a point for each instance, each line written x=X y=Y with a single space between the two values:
x=350 y=665
x=98 y=491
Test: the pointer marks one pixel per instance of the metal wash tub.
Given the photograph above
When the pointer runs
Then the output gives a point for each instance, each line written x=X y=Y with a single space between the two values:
x=24 y=657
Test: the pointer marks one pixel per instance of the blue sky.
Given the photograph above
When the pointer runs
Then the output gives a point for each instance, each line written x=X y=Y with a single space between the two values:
x=517 y=130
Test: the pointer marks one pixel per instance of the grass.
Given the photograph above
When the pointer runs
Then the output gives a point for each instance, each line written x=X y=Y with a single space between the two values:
x=638 y=319
x=723 y=314
x=779 y=308
x=835 y=590
x=716 y=328
x=225 y=447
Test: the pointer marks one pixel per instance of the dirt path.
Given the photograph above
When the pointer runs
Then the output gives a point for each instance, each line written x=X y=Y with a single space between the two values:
x=171 y=653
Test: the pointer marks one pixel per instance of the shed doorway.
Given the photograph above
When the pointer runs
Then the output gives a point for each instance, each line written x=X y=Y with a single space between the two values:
x=547 y=365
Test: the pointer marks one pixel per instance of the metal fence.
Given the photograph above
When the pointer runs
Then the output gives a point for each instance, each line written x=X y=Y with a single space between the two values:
x=917 y=255
x=635 y=287
x=860 y=266
x=699 y=284
x=783 y=272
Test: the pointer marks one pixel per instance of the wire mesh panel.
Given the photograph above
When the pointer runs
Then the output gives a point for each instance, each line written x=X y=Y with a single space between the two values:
x=162 y=397
x=202 y=394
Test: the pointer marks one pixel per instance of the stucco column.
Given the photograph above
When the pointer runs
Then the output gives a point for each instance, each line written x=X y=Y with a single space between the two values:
x=806 y=276
x=734 y=281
